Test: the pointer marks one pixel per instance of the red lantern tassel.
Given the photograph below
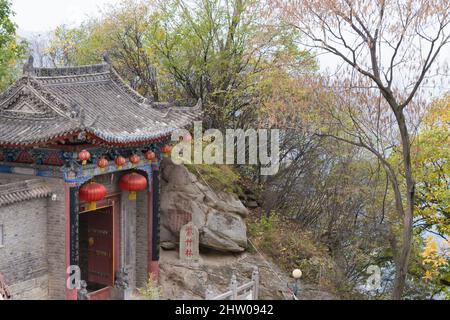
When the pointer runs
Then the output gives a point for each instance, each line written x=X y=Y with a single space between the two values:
x=92 y=206
x=132 y=196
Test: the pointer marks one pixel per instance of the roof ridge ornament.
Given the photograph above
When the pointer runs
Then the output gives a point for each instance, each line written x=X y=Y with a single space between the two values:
x=78 y=113
x=28 y=67
x=106 y=58
x=114 y=113
x=81 y=116
x=171 y=108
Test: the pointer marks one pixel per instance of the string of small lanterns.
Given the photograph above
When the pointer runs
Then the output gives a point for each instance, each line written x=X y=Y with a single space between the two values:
x=84 y=156
x=134 y=182
x=102 y=163
x=150 y=156
x=120 y=162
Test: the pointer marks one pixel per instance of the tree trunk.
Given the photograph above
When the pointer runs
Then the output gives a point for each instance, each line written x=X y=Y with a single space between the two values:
x=402 y=260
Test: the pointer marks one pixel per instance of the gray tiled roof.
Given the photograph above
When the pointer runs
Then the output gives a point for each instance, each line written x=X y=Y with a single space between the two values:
x=49 y=104
x=23 y=190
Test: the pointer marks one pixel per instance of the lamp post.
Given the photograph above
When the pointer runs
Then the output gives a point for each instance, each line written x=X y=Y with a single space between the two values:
x=296 y=274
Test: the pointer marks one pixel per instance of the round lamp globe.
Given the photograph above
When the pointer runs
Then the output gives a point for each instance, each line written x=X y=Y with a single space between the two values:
x=297 y=274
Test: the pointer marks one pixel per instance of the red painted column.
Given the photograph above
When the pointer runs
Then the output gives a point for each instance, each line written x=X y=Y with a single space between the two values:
x=71 y=294
x=150 y=267
x=154 y=269
x=153 y=227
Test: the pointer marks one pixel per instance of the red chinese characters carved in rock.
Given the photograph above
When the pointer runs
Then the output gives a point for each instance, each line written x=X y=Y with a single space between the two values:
x=189 y=243
x=178 y=220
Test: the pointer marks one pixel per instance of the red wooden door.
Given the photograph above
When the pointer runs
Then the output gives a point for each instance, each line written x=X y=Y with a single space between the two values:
x=100 y=252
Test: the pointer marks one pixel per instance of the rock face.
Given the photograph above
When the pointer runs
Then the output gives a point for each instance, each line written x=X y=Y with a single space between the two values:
x=219 y=217
x=214 y=271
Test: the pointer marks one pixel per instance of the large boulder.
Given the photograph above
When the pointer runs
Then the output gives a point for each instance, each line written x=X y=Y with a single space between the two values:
x=219 y=217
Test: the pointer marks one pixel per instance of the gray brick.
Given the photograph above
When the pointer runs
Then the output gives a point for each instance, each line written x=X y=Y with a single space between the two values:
x=141 y=238
x=56 y=242
x=23 y=259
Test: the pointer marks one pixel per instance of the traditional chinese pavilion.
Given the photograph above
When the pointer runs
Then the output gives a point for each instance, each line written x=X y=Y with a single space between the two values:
x=80 y=155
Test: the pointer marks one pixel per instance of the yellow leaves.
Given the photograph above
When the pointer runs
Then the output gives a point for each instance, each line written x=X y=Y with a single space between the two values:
x=434 y=260
x=285 y=101
x=436 y=263
x=439 y=113
x=160 y=34
x=428 y=276
x=430 y=248
x=431 y=163
x=440 y=262
x=11 y=49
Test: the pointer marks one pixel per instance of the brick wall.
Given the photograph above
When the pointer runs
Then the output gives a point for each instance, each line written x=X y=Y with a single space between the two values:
x=56 y=241
x=42 y=248
x=129 y=237
x=23 y=259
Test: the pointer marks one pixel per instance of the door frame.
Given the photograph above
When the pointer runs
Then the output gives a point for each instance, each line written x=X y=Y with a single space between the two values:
x=111 y=201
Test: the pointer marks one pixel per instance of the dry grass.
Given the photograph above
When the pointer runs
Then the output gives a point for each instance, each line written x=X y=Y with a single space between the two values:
x=218 y=177
x=283 y=240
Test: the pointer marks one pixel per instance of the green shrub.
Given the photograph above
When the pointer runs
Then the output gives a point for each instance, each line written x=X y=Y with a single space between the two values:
x=291 y=247
x=151 y=291
x=218 y=177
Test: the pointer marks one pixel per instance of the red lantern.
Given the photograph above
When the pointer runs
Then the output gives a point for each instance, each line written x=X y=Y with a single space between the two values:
x=84 y=156
x=133 y=183
x=92 y=192
x=135 y=159
x=150 y=156
x=166 y=150
x=102 y=164
x=120 y=162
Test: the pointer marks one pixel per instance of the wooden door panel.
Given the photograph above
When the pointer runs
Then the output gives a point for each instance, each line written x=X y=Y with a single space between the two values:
x=100 y=251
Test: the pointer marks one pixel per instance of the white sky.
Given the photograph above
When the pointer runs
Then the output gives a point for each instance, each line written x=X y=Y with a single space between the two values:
x=42 y=16
x=45 y=15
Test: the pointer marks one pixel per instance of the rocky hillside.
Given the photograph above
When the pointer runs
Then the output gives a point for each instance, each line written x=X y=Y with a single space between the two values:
x=214 y=271
x=221 y=219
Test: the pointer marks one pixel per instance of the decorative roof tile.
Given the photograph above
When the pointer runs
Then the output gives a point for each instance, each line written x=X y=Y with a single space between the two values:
x=23 y=190
x=50 y=104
